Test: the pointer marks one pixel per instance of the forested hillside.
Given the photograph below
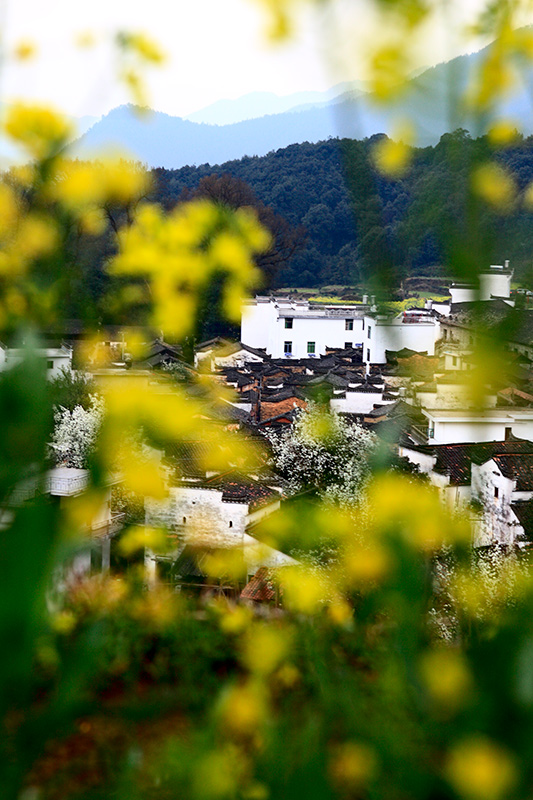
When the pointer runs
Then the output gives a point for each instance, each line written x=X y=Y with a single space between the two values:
x=357 y=221
x=351 y=224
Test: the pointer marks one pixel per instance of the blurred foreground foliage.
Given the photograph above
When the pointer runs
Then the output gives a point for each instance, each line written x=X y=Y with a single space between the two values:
x=402 y=668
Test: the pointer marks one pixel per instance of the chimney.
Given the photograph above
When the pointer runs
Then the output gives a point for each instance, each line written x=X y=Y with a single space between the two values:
x=365 y=299
x=506 y=263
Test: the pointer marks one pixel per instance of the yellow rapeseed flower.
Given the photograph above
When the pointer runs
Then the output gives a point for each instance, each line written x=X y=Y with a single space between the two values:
x=392 y=157
x=37 y=236
x=141 y=45
x=9 y=210
x=40 y=129
x=503 y=132
x=446 y=677
x=264 y=648
x=495 y=185
x=243 y=709
x=367 y=564
x=25 y=50
x=352 y=765
x=303 y=591
x=139 y=537
x=480 y=769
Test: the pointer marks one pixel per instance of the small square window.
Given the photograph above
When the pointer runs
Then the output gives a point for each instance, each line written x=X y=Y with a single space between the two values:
x=49 y=364
x=347 y=345
x=311 y=348
x=288 y=322
x=287 y=348
x=348 y=325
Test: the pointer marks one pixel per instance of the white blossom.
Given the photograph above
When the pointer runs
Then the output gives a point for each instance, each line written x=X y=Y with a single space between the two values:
x=76 y=432
x=324 y=452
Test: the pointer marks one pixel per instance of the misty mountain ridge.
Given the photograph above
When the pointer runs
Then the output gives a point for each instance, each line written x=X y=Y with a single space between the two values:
x=432 y=101
x=259 y=104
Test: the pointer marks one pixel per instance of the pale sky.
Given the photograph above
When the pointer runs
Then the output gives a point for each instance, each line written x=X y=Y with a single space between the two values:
x=216 y=49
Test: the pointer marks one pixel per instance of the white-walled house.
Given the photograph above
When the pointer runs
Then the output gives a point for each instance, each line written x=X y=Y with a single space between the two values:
x=361 y=399
x=416 y=330
x=492 y=282
x=288 y=328
x=298 y=329
x=452 y=390
x=216 y=514
x=502 y=485
x=498 y=476
x=57 y=359
x=446 y=426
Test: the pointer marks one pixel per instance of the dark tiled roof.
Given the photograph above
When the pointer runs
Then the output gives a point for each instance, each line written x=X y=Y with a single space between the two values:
x=405 y=352
x=517 y=467
x=284 y=394
x=393 y=429
x=280 y=420
x=210 y=343
x=485 y=312
x=366 y=388
x=190 y=458
x=237 y=488
x=455 y=459
x=524 y=513
x=235 y=347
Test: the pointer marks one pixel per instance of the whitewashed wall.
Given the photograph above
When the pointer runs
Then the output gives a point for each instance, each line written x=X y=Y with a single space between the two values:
x=382 y=335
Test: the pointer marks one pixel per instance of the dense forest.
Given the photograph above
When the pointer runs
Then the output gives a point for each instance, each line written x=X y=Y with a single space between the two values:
x=337 y=220
x=356 y=221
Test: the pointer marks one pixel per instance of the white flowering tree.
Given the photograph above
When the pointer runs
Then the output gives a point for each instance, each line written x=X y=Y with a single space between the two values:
x=324 y=452
x=75 y=433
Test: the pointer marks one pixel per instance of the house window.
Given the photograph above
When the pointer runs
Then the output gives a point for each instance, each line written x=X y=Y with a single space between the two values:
x=287 y=348
x=231 y=523
x=347 y=345
x=311 y=348
x=348 y=325
x=369 y=332
x=496 y=492
x=49 y=364
x=184 y=520
x=367 y=354
x=454 y=361
x=288 y=322
x=508 y=434
x=445 y=336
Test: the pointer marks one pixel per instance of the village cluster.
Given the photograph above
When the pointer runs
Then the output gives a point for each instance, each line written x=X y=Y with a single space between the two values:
x=414 y=379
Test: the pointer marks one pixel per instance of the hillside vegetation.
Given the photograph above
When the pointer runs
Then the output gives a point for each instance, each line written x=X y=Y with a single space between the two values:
x=355 y=218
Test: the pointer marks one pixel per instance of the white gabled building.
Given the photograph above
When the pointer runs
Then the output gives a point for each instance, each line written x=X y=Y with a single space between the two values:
x=416 y=330
x=492 y=283
x=447 y=426
x=57 y=359
x=288 y=328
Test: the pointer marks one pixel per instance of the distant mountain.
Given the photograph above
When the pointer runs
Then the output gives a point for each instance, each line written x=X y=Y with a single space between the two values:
x=432 y=101
x=259 y=104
